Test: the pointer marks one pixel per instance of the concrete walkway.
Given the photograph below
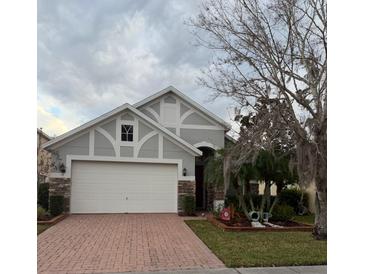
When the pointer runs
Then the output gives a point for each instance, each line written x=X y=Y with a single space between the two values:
x=254 y=270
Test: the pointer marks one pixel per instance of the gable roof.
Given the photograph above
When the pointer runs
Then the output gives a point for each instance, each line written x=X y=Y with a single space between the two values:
x=174 y=90
x=185 y=145
x=42 y=133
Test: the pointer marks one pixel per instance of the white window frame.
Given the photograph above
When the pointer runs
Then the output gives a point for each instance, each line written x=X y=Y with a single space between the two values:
x=133 y=123
x=131 y=127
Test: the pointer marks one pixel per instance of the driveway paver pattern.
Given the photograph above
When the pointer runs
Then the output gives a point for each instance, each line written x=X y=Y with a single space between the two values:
x=110 y=243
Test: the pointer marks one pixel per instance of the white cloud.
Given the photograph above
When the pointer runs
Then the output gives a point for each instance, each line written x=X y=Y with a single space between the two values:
x=93 y=58
x=50 y=124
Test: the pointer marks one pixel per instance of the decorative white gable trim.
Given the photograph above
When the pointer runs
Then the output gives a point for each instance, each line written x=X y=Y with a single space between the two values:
x=107 y=136
x=83 y=128
x=142 y=141
x=91 y=142
x=160 y=146
x=154 y=113
x=214 y=117
x=207 y=144
x=186 y=114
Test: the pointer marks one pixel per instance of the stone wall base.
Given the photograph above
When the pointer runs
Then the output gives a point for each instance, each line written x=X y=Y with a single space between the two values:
x=61 y=186
x=185 y=188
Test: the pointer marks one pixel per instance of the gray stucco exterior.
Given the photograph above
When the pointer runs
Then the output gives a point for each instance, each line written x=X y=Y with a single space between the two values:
x=78 y=146
x=196 y=119
x=110 y=128
x=172 y=151
x=143 y=130
x=192 y=125
x=194 y=136
x=103 y=147
x=150 y=148
x=178 y=128
x=106 y=147
x=171 y=112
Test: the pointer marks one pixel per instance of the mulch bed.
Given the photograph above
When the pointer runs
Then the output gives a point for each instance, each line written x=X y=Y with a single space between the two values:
x=52 y=220
x=242 y=224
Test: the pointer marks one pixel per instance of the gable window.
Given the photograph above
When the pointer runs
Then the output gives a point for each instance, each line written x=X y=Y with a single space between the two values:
x=127 y=133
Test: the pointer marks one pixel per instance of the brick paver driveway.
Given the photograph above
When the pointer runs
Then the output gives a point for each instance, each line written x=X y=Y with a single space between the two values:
x=121 y=243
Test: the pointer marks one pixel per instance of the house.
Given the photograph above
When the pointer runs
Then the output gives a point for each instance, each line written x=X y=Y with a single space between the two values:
x=138 y=158
x=43 y=156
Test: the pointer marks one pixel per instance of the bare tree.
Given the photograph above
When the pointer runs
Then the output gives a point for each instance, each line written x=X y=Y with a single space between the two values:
x=275 y=51
x=44 y=160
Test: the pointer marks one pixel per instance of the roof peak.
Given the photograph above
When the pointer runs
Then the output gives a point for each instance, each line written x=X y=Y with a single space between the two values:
x=186 y=98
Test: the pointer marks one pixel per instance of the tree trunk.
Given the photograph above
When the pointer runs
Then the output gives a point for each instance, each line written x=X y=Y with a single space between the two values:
x=248 y=192
x=320 y=225
x=320 y=229
x=264 y=197
x=241 y=190
x=226 y=172
x=276 y=200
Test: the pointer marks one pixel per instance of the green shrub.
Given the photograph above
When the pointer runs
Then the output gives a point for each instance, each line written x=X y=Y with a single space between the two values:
x=189 y=205
x=231 y=199
x=56 y=205
x=292 y=198
x=41 y=213
x=43 y=195
x=282 y=213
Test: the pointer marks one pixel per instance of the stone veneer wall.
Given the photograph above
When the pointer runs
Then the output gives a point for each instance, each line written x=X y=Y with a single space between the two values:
x=185 y=188
x=61 y=186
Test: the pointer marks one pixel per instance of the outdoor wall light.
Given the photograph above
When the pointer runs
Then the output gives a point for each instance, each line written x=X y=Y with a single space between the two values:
x=62 y=168
x=184 y=171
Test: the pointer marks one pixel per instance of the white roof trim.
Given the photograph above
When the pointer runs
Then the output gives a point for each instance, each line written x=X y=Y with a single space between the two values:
x=230 y=138
x=188 y=147
x=186 y=98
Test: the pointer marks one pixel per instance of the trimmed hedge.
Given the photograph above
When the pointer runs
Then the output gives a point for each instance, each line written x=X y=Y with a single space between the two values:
x=282 y=213
x=189 y=205
x=43 y=195
x=56 y=206
x=41 y=213
x=292 y=198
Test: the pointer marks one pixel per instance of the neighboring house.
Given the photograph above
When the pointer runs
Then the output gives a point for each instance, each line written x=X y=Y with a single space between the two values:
x=139 y=158
x=43 y=157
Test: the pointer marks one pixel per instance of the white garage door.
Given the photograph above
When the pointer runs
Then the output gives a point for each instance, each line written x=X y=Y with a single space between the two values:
x=108 y=187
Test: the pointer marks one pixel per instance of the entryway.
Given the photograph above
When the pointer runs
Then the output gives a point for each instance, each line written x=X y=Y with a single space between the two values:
x=201 y=188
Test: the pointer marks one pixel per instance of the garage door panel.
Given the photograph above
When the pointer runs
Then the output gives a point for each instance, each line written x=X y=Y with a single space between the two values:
x=102 y=187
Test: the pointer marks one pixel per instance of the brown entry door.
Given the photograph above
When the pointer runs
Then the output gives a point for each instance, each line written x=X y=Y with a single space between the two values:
x=199 y=191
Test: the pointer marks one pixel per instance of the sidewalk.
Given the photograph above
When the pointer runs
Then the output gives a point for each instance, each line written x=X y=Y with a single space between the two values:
x=322 y=269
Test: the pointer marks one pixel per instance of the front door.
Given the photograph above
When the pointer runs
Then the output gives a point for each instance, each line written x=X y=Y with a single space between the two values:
x=200 y=195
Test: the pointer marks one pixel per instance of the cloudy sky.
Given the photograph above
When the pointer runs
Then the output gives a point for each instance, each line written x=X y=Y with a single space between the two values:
x=96 y=55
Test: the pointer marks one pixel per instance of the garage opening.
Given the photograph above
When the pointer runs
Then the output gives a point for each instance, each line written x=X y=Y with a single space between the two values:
x=115 y=187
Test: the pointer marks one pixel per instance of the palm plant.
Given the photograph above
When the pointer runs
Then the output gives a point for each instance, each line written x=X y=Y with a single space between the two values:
x=213 y=170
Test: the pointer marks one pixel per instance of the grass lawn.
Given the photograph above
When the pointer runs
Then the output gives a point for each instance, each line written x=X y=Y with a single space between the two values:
x=41 y=228
x=305 y=219
x=247 y=249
